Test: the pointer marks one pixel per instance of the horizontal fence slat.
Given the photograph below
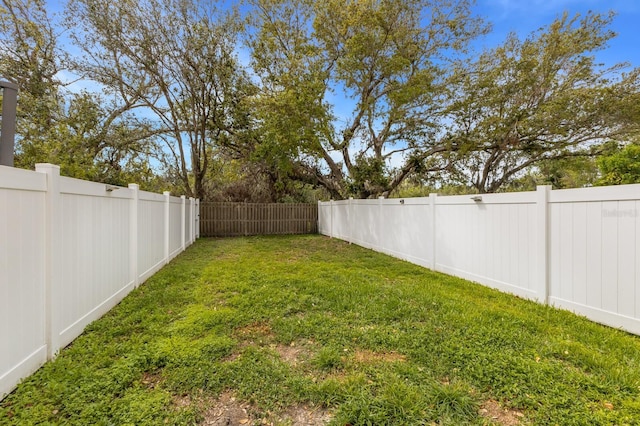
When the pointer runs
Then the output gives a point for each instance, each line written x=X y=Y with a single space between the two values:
x=225 y=219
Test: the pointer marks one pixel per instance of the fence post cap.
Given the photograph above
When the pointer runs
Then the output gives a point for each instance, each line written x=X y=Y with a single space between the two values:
x=47 y=166
x=8 y=85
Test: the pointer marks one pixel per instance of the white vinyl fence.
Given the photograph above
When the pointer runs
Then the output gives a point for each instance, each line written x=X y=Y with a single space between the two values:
x=70 y=250
x=577 y=249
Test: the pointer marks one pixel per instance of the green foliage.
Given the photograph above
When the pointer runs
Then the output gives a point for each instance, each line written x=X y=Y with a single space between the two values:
x=177 y=109
x=79 y=131
x=283 y=322
x=173 y=60
x=622 y=167
x=381 y=55
x=368 y=176
x=576 y=172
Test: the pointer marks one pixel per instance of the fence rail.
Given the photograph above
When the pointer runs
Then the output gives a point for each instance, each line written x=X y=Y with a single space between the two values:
x=70 y=250
x=576 y=248
x=236 y=219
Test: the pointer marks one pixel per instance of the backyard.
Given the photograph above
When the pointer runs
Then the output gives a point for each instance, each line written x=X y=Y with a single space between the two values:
x=308 y=330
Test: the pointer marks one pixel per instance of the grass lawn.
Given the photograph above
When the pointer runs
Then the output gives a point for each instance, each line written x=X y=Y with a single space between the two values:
x=306 y=330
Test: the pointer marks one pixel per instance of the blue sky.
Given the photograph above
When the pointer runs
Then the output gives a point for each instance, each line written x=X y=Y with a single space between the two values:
x=525 y=16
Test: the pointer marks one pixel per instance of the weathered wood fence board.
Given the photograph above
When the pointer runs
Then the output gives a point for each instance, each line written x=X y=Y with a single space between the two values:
x=235 y=219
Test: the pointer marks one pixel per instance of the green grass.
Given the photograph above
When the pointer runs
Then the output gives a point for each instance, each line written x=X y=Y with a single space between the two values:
x=297 y=321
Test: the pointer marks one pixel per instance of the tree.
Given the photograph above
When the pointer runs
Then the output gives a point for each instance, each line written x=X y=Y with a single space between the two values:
x=29 y=57
x=540 y=99
x=173 y=61
x=78 y=131
x=620 y=167
x=389 y=58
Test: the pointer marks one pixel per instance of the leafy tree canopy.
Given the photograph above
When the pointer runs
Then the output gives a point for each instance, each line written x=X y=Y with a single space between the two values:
x=359 y=98
x=540 y=99
x=389 y=58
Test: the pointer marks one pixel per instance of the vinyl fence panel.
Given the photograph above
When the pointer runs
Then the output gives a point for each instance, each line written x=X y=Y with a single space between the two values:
x=151 y=219
x=22 y=275
x=71 y=250
x=595 y=253
x=578 y=249
x=93 y=255
x=397 y=239
x=492 y=242
x=175 y=227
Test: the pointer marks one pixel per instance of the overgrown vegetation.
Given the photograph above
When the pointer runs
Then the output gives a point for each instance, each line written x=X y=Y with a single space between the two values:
x=270 y=326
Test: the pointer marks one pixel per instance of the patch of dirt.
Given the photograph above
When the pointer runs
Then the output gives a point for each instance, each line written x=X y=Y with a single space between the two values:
x=151 y=380
x=305 y=415
x=254 y=330
x=370 y=357
x=226 y=410
x=492 y=410
x=234 y=356
x=227 y=256
x=181 y=401
x=292 y=354
x=340 y=376
x=251 y=334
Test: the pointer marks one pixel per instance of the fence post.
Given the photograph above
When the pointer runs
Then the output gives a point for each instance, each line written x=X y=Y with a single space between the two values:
x=167 y=224
x=197 y=218
x=245 y=217
x=331 y=219
x=433 y=197
x=133 y=234
x=351 y=219
x=381 y=224
x=182 y=224
x=53 y=257
x=191 y=209
x=193 y=220
x=542 y=213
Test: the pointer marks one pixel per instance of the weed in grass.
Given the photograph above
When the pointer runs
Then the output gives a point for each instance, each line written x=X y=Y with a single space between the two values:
x=452 y=401
x=328 y=358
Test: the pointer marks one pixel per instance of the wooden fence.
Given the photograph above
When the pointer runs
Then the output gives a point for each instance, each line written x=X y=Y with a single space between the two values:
x=234 y=219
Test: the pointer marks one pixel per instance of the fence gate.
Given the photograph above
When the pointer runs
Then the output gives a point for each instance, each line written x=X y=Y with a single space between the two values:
x=236 y=219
